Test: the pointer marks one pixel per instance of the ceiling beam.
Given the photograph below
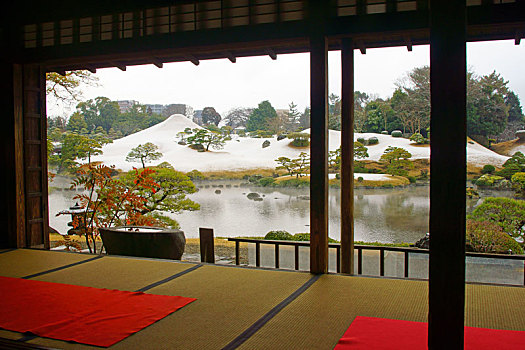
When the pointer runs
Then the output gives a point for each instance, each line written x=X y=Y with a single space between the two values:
x=408 y=42
x=517 y=39
x=193 y=59
x=120 y=66
x=157 y=63
x=362 y=47
x=271 y=53
x=91 y=70
x=231 y=57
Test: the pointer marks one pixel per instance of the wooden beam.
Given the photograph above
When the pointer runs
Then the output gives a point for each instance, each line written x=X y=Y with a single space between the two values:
x=193 y=59
x=231 y=57
x=347 y=156
x=362 y=47
x=120 y=66
x=207 y=245
x=92 y=70
x=408 y=42
x=448 y=75
x=156 y=62
x=272 y=54
x=318 y=154
x=517 y=39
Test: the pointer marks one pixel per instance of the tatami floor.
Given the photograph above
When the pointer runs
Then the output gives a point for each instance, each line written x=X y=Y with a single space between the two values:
x=251 y=308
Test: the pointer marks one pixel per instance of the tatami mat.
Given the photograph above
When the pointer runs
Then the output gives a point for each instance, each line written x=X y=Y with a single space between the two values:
x=24 y=262
x=116 y=273
x=320 y=316
x=230 y=300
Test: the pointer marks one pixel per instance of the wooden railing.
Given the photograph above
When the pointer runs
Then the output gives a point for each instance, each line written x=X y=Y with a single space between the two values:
x=405 y=250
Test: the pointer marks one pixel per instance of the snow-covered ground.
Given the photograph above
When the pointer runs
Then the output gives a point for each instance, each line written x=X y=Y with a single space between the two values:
x=247 y=153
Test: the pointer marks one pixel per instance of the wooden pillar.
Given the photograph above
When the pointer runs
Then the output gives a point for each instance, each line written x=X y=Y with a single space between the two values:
x=318 y=154
x=347 y=156
x=12 y=211
x=448 y=174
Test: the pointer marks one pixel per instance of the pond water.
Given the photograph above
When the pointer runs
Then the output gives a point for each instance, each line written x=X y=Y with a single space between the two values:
x=382 y=215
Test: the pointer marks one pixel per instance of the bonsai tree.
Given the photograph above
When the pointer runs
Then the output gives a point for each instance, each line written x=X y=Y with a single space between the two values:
x=207 y=138
x=397 y=161
x=144 y=153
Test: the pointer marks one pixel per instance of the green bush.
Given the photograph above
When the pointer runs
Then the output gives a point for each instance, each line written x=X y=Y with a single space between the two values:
x=373 y=140
x=361 y=140
x=488 y=180
x=195 y=175
x=297 y=182
x=507 y=213
x=278 y=236
x=360 y=179
x=387 y=185
x=396 y=133
x=488 y=237
x=509 y=170
x=384 y=132
x=255 y=178
x=412 y=179
x=306 y=237
x=300 y=143
x=488 y=169
x=518 y=182
x=266 y=181
x=419 y=139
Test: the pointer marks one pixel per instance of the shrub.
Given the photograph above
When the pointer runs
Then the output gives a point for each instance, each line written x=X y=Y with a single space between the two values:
x=384 y=132
x=471 y=192
x=387 y=185
x=518 y=182
x=507 y=213
x=488 y=237
x=488 y=180
x=509 y=170
x=306 y=237
x=298 y=182
x=278 y=236
x=281 y=137
x=360 y=179
x=195 y=175
x=361 y=140
x=419 y=139
x=373 y=140
x=255 y=178
x=396 y=133
x=266 y=181
x=488 y=169
x=412 y=179
x=518 y=159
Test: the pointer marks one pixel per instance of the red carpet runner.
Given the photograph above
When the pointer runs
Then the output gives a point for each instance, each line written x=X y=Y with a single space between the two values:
x=86 y=315
x=380 y=333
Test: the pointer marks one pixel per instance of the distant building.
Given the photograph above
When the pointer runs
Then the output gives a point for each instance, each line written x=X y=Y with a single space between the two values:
x=197 y=117
x=125 y=105
x=178 y=108
x=155 y=109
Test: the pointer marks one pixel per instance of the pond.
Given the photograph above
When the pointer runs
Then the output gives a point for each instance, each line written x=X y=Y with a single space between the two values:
x=234 y=208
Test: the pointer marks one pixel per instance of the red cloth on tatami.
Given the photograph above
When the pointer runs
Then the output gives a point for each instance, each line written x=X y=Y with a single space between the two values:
x=367 y=333
x=86 y=315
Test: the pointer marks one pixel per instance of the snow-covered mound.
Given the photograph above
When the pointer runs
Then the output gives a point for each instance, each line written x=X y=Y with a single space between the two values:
x=247 y=153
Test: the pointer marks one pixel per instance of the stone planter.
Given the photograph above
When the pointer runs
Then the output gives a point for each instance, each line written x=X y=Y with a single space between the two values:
x=149 y=242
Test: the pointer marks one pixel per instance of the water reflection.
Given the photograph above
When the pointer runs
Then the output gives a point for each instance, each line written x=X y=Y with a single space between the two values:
x=383 y=215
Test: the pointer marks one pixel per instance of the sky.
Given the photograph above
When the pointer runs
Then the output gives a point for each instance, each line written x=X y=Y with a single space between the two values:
x=225 y=85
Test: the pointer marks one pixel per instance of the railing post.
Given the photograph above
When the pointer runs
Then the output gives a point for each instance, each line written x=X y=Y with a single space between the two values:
x=406 y=264
x=297 y=257
x=276 y=255
x=359 y=261
x=338 y=259
x=207 y=245
x=381 y=262
x=237 y=258
x=257 y=254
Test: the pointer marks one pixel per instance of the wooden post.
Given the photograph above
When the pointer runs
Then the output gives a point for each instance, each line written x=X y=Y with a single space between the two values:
x=207 y=245
x=318 y=154
x=448 y=174
x=12 y=133
x=347 y=156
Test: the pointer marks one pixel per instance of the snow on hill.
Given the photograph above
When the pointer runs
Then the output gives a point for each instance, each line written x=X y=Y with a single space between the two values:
x=247 y=153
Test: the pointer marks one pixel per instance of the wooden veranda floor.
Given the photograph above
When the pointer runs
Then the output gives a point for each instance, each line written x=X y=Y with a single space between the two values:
x=231 y=300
